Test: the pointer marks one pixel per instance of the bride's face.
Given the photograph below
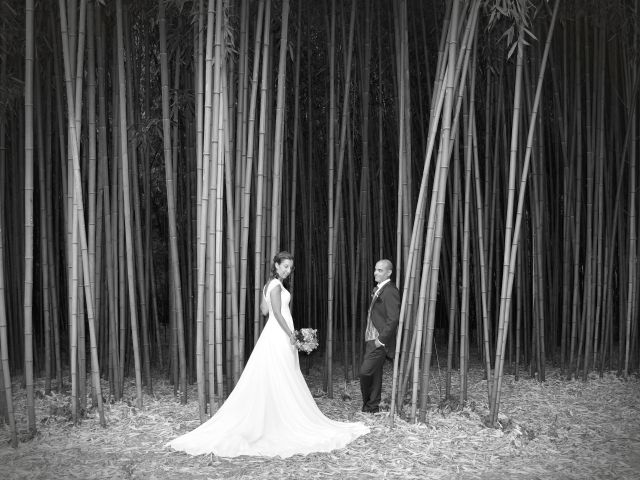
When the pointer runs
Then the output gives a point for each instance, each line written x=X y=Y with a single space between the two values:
x=284 y=269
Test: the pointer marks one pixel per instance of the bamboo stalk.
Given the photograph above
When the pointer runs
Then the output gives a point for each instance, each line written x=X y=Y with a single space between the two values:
x=259 y=261
x=28 y=216
x=248 y=176
x=508 y=279
x=127 y=206
x=171 y=204
x=4 y=344
x=276 y=197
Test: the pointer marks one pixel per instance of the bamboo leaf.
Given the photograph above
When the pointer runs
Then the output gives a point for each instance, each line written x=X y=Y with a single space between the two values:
x=530 y=33
x=512 y=49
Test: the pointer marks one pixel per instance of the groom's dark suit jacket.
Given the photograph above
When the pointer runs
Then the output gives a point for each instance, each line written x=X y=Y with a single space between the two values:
x=385 y=314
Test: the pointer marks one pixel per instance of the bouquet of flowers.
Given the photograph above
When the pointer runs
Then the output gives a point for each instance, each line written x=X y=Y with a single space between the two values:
x=306 y=339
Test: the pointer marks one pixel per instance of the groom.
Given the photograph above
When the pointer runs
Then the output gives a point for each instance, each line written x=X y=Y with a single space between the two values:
x=380 y=335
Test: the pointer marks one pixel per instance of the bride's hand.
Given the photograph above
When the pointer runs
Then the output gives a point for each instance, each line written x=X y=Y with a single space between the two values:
x=292 y=338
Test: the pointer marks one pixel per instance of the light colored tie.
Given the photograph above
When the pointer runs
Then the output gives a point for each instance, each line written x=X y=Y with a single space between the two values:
x=371 y=333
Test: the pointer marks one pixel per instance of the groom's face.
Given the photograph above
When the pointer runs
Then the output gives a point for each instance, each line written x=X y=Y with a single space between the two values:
x=381 y=272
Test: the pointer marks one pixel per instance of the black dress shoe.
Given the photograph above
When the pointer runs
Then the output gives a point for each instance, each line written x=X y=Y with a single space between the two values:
x=370 y=410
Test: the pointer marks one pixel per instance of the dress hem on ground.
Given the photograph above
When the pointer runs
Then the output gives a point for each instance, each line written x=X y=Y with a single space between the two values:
x=270 y=412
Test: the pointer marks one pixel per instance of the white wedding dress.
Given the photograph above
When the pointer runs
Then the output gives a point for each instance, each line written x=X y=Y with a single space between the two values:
x=270 y=412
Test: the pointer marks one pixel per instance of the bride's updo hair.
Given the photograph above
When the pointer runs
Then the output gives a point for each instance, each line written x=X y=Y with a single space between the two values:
x=278 y=259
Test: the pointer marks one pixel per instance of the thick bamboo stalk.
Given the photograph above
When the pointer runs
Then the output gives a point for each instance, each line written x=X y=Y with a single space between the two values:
x=504 y=313
x=296 y=134
x=203 y=203
x=259 y=259
x=28 y=216
x=171 y=204
x=132 y=116
x=79 y=229
x=453 y=293
x=44 y=202
x=632 y=282
x=248 y=176
x=4 y=344
x=482 y=263
x=331 y=151
x=464 y=309
x=436 y=221
x=126 y=191
x=232 y=310
x=276 y=198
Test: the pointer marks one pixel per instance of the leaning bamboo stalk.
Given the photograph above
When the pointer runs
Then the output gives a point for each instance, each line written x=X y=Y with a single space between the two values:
x=504 y=308
x=416 y=356
x=78 y=224
x=93 y=340
x=95 y=241
x=445 y=93
x=510 y=207
x=416 y=239
x=437 y=219
x=451 y=115
x=481 y=259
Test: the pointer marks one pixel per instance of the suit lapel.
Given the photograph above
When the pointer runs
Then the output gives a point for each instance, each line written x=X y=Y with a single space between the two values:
x=375 y=296
x=379 y=291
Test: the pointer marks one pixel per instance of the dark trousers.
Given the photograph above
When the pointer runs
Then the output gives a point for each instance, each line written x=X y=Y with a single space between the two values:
x=371 y=376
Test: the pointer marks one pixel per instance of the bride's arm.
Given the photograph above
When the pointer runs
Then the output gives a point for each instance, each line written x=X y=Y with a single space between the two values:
x=276 y=303
x=263 y=305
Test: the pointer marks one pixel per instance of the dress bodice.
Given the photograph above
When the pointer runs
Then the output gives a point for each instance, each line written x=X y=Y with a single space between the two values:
x=285 y=296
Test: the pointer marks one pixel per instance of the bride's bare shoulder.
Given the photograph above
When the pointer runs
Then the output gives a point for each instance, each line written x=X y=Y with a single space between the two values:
x=273 y=284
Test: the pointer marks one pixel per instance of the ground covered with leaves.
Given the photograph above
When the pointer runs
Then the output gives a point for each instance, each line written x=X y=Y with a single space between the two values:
x=557 y=429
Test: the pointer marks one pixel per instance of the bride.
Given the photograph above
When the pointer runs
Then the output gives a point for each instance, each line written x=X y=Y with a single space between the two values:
x=270 y=412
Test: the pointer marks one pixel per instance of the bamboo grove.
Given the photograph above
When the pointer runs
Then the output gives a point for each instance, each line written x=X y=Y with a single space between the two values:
x=155 y=155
